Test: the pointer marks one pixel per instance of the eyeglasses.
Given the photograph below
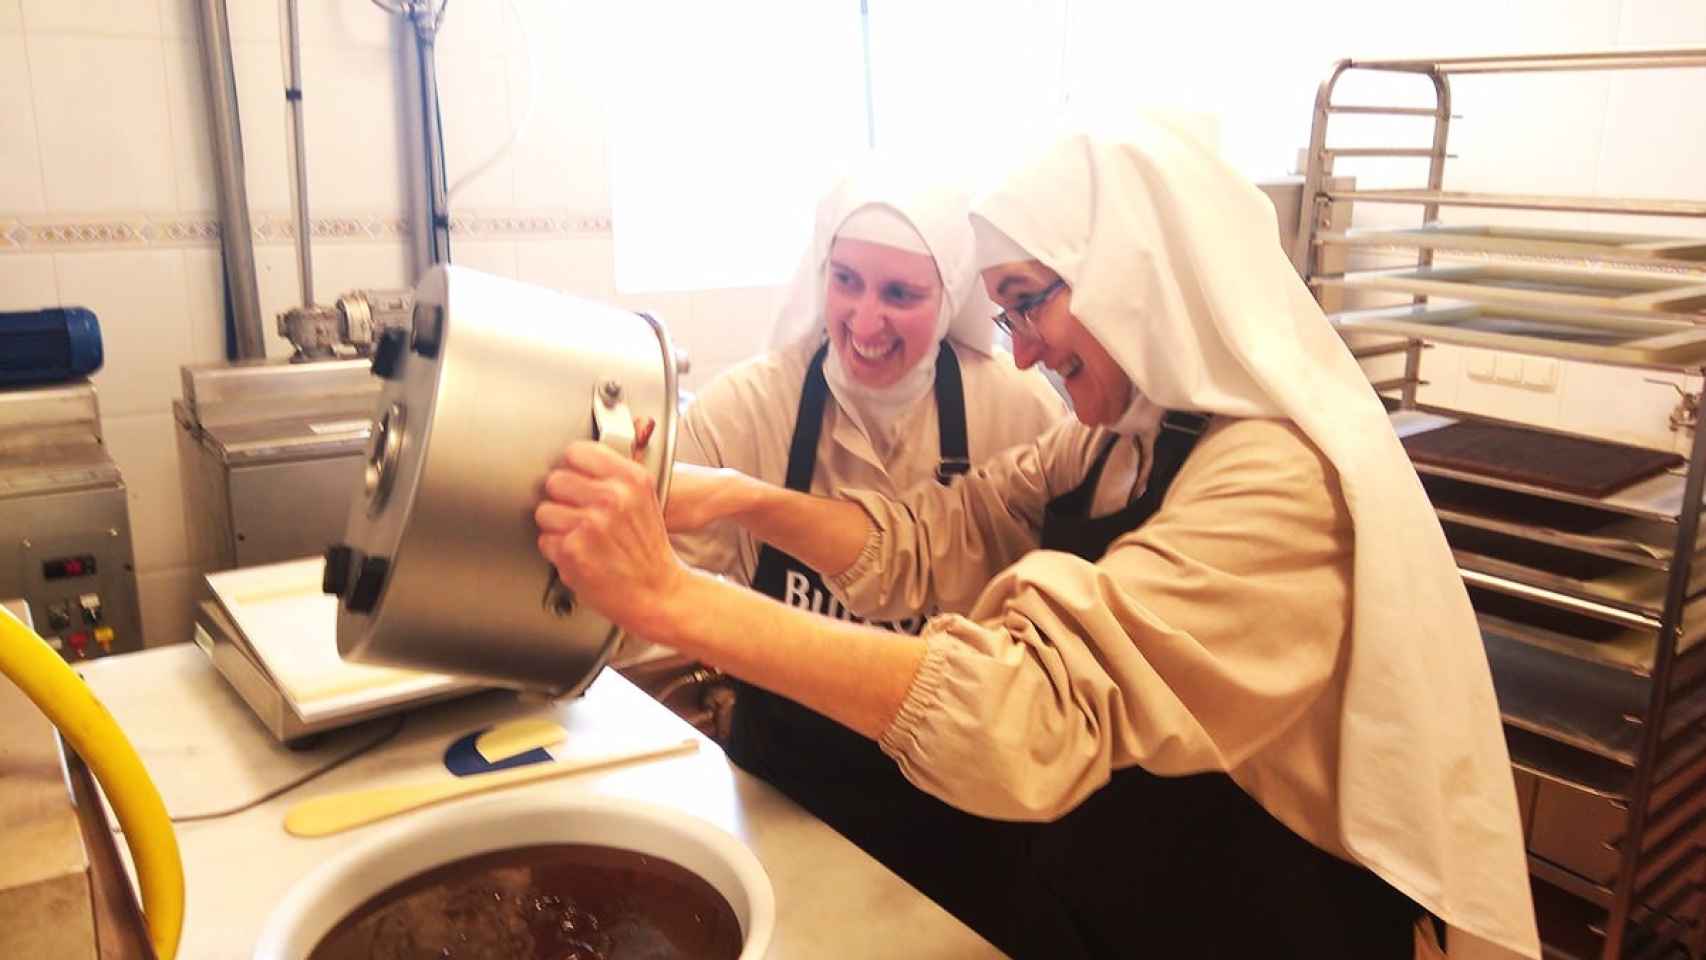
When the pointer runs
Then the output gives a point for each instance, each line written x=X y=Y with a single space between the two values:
x=1016 y=320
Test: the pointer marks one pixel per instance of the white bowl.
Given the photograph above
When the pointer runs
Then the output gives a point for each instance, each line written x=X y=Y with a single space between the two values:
x=325 y=896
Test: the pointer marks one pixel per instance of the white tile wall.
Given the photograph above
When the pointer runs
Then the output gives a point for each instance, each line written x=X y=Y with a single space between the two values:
x=192 y=140
x=725 y=327
x=275 y=276
x=345 y=24
x=260 y=104
x=144 y=447
x=353 y=128
x=168 y=602
x=119 y=18
x=204 y=300
x=20 y=156
x=1653 y=140
x=562 y=160
x=140 y=299
x=100 y=105
x=482 y=28
x=344 y=266
x=27 y=282
x=475 y=101
x=493 y=256
x=584 y=266
x=11 y=17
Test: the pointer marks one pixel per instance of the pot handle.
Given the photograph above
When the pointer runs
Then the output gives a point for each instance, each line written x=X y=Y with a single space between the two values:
x=612 y=421
x=613 y=426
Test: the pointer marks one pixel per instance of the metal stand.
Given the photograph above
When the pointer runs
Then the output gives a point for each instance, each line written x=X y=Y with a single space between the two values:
x=1604 y=696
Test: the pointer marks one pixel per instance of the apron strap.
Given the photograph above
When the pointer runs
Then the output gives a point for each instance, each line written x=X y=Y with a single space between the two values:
x=950 y=417
x=808 y=425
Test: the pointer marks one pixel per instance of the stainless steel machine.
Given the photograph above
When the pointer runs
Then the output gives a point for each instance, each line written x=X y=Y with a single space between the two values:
x=271 y=454
x=65 y=543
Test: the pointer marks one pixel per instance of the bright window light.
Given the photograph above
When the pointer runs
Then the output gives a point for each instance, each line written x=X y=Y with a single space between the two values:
x=728 y=121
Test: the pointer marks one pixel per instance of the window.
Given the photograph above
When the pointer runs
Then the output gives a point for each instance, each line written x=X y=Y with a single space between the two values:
x=728 y=121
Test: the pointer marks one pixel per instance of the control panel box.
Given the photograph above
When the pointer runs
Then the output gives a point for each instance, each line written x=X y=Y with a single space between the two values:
x=68 y=554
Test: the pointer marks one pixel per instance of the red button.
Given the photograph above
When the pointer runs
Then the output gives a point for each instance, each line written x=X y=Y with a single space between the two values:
x=74 y=568
x=78 y=641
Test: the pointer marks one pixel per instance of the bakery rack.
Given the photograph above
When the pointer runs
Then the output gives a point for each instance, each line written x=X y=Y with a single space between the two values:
x=1593 y=609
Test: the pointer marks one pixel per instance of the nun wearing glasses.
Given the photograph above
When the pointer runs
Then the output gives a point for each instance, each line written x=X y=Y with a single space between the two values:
x=1216 y=649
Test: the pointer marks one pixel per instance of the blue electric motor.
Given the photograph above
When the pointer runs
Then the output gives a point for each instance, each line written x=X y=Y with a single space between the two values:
x=49 y=346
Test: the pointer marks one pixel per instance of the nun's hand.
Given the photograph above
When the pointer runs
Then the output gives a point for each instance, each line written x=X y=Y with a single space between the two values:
x=600 y=526
x=700 y=496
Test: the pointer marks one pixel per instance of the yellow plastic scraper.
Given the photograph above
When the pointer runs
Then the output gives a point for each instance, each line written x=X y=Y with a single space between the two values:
x=517 y=737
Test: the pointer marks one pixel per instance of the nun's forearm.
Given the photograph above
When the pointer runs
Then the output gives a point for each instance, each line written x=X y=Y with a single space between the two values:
x=824 y=534
x=853 y=674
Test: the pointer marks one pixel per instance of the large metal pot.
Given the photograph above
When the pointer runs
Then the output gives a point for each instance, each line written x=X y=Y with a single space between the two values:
x=439 y=570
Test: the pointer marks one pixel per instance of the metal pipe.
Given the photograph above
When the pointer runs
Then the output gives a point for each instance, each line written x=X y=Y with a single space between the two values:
x=236 y=238
x=298 y=150
x=432 y=126
x=429 y=217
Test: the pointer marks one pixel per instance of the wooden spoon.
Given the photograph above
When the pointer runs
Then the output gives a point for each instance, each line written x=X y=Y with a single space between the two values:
x=337 y=812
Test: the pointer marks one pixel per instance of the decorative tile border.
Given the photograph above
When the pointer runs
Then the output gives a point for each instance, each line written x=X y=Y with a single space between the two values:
x=46 y=234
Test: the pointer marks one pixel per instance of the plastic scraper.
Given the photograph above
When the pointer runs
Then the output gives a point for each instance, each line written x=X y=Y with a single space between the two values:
x=517 y=737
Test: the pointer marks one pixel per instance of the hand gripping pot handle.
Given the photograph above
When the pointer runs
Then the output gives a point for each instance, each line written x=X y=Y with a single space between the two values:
x=613 y=423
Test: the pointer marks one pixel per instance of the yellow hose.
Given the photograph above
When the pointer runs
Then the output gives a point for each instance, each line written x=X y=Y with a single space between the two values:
x=61 y=694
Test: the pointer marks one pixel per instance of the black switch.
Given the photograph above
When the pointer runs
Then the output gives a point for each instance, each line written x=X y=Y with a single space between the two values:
x=339 y=561
x=389 y=354
x=429 y=329
x=364 y=596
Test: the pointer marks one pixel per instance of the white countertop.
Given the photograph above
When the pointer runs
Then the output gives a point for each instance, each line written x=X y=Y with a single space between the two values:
x=206 y=751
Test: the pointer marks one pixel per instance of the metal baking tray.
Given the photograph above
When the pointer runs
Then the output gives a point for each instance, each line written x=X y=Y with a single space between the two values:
x=1590 y=530
x=1667 y=344
x=1573 y=634
x=1656 y=498
x=1633 y=249
x=1524 y=285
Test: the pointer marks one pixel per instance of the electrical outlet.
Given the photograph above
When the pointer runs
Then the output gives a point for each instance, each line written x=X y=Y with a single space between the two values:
x=1508 y=369
x=1539 y=374
x=1481 y=365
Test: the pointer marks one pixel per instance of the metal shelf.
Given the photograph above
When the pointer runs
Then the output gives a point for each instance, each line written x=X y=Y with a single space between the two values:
x=1621 y=297
x=1569 y=881
x=1595 y=719
x=1523 y=201
x=1594 y=642
x=1570 y=595
x=1649 y=58
x=1585 y=247
x=1586 y=530
x=1557 y=763
x=1593 y=693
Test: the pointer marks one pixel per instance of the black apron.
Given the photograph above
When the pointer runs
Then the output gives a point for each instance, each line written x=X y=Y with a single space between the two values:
x=965 y=863
x=1191 y=866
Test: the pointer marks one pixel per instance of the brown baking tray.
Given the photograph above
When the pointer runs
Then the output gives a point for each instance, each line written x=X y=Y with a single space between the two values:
x=1577 y=465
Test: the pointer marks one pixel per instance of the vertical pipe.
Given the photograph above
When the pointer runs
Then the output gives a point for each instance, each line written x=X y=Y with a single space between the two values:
x=236 y=239
x=429 y=203
x=412 y=136
x=432 y=129
x=298 y=150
